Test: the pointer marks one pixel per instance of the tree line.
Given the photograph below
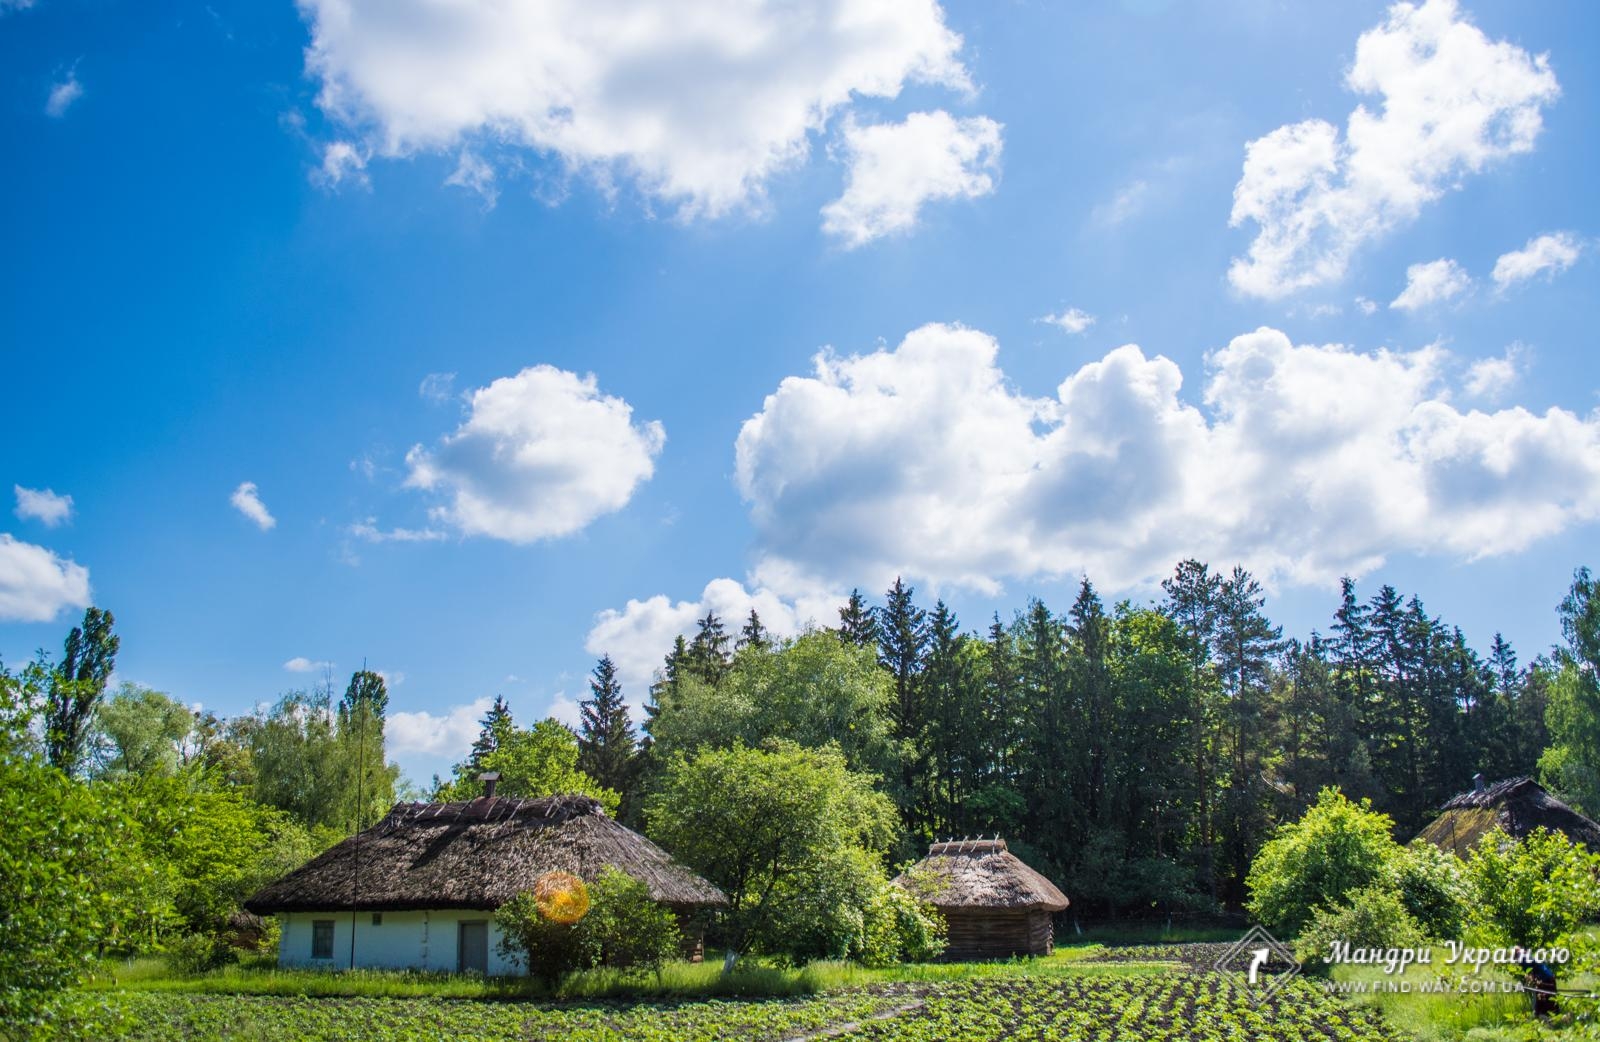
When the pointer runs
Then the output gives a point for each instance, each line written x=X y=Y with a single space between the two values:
x=1139 y=754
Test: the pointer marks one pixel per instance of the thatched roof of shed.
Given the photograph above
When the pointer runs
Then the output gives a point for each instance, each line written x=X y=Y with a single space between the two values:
x=477 y=854
x=1517 y=805
x=972 y=874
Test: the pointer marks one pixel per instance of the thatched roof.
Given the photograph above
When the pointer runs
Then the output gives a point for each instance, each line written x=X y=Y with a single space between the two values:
x=981 y=873
x=1517 y=805
x=477 y=854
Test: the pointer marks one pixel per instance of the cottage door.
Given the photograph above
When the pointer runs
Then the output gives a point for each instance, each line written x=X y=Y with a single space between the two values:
x=473 y=950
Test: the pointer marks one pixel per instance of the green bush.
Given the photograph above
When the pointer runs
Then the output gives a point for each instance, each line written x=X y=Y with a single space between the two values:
x=198 y=953
x=625 y=928
x=549 y=949
x=1432 y=885
x=1338 y=847
x=1372 y=917
x=67 y=878
x=1532 y=893
x=898 y=927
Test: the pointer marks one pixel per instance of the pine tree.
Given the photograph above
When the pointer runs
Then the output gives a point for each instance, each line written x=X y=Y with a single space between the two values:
x=1091 y=704
x=857 y=622
x=605 y=735
x=902 y=639
x=708 y=656
x=494 y=726
x=1246 y=643
x=754 y=634
x=663 y=690
x=1191 y=602
x=946 y=693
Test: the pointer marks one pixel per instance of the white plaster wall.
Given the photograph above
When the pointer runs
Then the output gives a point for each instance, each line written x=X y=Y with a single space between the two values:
x=404 y=940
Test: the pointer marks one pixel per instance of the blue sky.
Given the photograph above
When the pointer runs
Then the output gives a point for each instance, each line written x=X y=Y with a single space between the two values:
x=292 y=249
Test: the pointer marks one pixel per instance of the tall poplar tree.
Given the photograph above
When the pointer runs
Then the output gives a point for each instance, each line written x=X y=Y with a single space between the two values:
x=76 y=687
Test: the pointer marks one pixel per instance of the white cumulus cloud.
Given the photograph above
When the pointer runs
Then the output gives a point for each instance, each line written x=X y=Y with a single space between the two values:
x=36 y=585
x=1451 y=102
x=540 y=455
x=1491 y=378
x=638 y=635
x=450 y=733
x=301 y=664
x=1431 y=283
x=1309 y=462
x=1551 y=254
x=42 y=505
x=699 y=103
x=1072 y=320
x=246 y=499
x=897 y=168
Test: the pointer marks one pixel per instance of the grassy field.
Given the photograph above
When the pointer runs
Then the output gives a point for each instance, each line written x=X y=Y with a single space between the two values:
x=1491 y=1015
x=1152 y=993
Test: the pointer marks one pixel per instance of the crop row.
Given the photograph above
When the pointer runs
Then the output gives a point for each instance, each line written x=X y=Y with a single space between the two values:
x=1175 y=1008
x=1167 y=1009
x=213 y=1018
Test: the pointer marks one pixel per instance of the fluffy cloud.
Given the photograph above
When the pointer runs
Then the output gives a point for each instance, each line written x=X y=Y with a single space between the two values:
x=638 y=636
x=341 y=161
x=1491 y=378
x=896 y=168
x=540 y=455
x=35 y=584
x=1545 y=253
x=1071 y=320
x=699 y=102
x=62 y=95
x=1310 y=462
x=448 y=734
x=301 y=664
x=1431 y=283
x=246 y=499
x=42 y=505
x=1453 y=102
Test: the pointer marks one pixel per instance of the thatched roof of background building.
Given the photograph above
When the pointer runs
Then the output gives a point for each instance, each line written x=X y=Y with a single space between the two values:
x=1517 y=805
x=477 y=854
x=980 y=873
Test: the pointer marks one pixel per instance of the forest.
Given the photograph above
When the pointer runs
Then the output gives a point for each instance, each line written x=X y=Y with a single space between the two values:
x=1139 y=755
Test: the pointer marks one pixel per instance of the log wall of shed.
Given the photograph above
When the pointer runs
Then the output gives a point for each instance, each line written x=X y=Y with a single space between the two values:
x=981 y=933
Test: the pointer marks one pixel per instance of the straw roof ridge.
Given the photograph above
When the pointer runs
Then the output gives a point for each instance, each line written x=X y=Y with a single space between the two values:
x=477 y=854
x=982 y=874
x=1517 y=805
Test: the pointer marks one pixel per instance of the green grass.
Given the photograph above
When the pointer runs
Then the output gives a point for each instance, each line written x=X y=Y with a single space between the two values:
x=1456 y=1017
x=1122 y=935
x=751 y=978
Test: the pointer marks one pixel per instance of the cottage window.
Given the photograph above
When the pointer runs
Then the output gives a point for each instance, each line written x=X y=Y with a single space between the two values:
x=322 y=939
